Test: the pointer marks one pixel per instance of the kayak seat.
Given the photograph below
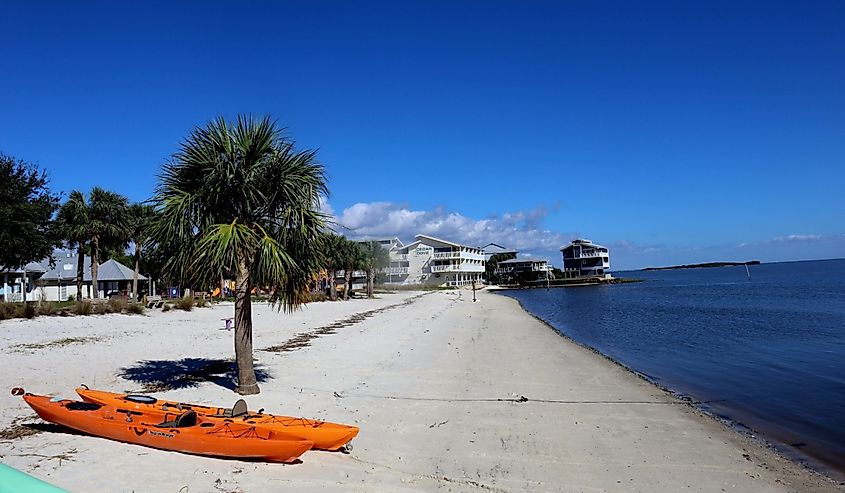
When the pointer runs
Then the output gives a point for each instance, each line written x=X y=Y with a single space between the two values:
x=238 y=410
x=188 y=418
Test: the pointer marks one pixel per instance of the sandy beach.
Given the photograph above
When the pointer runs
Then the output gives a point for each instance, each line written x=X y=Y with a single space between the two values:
x=449 y=394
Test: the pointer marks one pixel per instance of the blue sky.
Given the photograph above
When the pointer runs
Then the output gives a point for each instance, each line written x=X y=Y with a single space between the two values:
x=672 y=132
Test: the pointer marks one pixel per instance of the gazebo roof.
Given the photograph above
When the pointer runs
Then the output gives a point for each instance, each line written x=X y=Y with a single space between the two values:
x=112 y=270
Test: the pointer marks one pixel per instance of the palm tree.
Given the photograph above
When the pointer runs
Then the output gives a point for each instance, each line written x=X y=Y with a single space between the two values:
x=376 y=258
x=73 y=224
x=237 y=196
x=333 y=252
x=141 y=218
x=107 y=224
x=354 y=258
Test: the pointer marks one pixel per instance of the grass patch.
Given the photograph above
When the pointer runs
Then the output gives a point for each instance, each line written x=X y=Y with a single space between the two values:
x=83 y=307
x=167 y=307
x=202 y=303
x=317 y=297
x=185 y=303
x=135 y=309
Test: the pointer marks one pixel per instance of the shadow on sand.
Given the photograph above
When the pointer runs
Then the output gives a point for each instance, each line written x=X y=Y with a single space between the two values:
x=164 y=375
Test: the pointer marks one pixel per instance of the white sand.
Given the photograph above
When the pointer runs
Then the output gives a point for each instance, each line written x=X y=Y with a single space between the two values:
x=422 y=380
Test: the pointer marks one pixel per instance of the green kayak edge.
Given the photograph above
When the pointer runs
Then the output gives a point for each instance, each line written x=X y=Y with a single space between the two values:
x=14 y=481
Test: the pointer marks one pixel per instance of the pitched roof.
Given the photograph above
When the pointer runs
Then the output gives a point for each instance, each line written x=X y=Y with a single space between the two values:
x=64 y=268
x=494 y=248
x=112 y=270
x=445 y=242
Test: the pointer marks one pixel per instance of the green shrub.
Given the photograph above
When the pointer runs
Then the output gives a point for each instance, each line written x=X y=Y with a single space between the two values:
x=102 y=308
x=7 y=310
x=186 y=303
x=316 y=297
x=167 y=307
x=201 y=302
x=135 y=309
x=83 y=307
x=47 y=308
x=117 y=305
x=26 y=310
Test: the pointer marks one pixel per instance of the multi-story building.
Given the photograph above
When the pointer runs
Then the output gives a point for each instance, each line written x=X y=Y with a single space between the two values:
x=523 y=269
x=585 y=258
x=434 y=261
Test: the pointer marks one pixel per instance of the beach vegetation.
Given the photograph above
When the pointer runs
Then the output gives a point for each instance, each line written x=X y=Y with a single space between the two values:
x=107 y=225
x=167 y=307
x=375 y=259
x=72 y=222
x=239 y=197
x=135 y=309
x=46 y=308
x=27 y=231
x=83 y=307
x=140 y=219
x=98 y=222
x=185 y=303
x=354 y=258
x=334 y=248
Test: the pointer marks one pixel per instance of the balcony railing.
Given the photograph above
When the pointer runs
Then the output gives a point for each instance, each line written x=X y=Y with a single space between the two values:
x=396 y=271
x=399 y=256
x=592 y=254
x=442 y=255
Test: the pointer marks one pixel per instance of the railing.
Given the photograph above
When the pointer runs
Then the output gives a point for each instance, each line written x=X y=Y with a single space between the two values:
x=399 y=256
x=592 y=254
x=445 y=268
x=396 y=271
x=441 y=255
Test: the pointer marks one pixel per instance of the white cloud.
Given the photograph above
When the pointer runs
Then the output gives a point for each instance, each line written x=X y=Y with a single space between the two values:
x=521 y=230
x=797 y=238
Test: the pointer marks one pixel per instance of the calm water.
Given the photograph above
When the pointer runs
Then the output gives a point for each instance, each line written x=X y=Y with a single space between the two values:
x=768 y=353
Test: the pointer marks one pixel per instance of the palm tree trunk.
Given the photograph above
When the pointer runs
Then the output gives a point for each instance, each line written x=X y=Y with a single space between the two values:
x=332 y=285
x=95 y=259
x=80 y=269
x=222 y=286
x=135 y=274
x=247 y=383
x=371 y=274
x=347 y=276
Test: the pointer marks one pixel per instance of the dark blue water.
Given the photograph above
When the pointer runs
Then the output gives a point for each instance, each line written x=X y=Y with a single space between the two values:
x=768 y=353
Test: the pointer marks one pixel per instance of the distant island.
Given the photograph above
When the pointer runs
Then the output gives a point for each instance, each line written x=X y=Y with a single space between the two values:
x=704 y=265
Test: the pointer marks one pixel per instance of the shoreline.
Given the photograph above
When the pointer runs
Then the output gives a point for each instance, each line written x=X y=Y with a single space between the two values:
x=805 y=461
x=449 y=394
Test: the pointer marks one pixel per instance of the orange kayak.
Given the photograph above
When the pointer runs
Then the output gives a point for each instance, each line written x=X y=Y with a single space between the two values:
x=181 y=432
x=324 y=434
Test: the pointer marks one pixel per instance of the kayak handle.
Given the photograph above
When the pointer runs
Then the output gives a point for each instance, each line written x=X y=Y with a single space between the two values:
x=17 y=391
x=84 y=386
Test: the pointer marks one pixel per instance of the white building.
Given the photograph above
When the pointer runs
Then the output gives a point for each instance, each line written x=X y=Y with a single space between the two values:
x=585 y=258
x=434 y=261
x=55 y=279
